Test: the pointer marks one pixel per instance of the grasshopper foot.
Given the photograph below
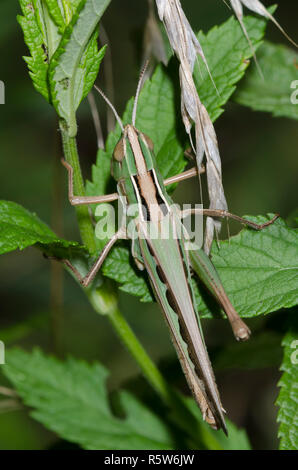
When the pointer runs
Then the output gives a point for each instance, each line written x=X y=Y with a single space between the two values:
x=241 y=330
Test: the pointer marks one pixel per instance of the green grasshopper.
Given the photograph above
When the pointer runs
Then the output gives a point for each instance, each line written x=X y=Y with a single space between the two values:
x=167 y=261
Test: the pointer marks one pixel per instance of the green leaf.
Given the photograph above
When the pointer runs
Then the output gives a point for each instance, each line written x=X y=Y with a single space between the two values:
x=49 y=29
x=276 y=93
x=227 y=52
x=19 y=229
x=120 y=267
x=258 y=270
x=71 y=4
x=69 y=65
x=38 y=62
x=90 y=64
x=288 y=396
x=55 y=12
x=62 y=34
x=70 y=398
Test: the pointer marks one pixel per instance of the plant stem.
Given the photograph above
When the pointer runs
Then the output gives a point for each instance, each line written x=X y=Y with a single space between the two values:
x=71 y=155
x=57 y=272
x=147 y=366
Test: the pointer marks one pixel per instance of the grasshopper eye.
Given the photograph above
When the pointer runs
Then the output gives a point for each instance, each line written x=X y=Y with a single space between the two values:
x=119 y=152
x=149 y=142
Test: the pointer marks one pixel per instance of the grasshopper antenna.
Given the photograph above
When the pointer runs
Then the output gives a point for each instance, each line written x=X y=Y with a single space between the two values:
x=111 y=106
x=134 y=112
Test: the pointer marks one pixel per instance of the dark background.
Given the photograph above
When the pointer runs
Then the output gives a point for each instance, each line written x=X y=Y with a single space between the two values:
x=260 y=176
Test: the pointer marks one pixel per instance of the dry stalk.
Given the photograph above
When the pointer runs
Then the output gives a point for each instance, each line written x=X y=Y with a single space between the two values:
x=186 y=47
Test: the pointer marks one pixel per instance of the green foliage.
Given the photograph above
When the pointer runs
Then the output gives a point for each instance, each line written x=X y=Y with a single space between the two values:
x=65 y=59
x=258 y=269
x=288 y=396
x=121 y=268
x=68 y=81
x=227 y=52
x=20 y=228
x=273 y=92
x=51 y=33
x=55 y=11
x=38 y=62
x=71 y=399
x=89 y=65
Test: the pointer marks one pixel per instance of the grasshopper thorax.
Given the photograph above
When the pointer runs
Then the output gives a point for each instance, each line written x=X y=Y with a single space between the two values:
x=139 y=180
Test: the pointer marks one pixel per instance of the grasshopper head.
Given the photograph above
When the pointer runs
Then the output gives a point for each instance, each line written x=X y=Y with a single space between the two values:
x=131 y=153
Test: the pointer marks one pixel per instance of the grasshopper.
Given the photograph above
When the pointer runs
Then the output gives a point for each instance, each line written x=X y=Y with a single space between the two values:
x=167 y=261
